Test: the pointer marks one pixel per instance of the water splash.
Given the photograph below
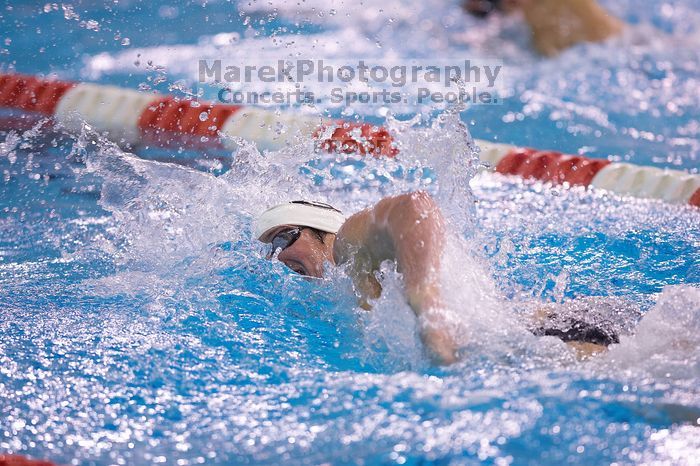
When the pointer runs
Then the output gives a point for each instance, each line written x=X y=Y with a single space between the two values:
x=665 y=343
x=195 y=328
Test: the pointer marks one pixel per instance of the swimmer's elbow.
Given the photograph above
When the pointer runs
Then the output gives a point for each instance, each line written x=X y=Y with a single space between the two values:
x=441 y=347
x=419 y=199
x=415 y=206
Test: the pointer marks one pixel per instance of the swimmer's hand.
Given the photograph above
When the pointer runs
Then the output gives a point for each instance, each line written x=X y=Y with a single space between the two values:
x=410 y=230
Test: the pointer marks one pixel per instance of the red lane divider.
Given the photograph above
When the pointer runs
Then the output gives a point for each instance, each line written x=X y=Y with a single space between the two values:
x=362 y=138
x=168 y=115
x=131 y=118
x=31 y=94
x=17 y=460
x=553 y=167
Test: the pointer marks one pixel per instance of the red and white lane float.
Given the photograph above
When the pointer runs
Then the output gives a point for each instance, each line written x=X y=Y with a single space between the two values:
x=131 y=117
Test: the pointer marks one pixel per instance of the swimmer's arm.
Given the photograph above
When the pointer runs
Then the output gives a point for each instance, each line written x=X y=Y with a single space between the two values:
x=410 y=230
x=559 y=24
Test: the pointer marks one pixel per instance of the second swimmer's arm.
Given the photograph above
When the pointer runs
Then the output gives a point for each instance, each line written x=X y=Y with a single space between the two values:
x=559 y=24
x=410 y=230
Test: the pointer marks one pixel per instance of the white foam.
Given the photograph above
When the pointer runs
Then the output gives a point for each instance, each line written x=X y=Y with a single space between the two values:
x=666 y=343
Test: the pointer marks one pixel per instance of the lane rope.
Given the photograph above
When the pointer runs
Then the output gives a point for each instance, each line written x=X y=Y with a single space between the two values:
x=130 y=117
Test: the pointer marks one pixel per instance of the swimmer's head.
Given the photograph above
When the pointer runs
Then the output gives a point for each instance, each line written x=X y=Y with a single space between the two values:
x=301 y=233
x=483 y=8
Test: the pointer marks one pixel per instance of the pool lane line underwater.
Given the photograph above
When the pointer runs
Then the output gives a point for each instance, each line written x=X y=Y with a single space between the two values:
x=129 y=117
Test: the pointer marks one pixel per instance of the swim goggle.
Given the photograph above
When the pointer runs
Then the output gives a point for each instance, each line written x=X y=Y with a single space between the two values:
x=284 y=239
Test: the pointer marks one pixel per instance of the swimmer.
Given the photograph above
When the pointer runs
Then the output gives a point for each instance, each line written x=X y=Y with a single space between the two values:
x=555 y=24
x=409 y=230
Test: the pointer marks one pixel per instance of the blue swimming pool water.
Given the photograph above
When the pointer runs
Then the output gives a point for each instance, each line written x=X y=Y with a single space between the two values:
x=140 y=325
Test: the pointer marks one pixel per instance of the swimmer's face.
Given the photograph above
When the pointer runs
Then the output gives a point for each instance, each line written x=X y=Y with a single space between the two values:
x=307 y=254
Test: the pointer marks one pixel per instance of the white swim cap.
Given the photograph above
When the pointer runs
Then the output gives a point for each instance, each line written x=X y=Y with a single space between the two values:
x=299 y=213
